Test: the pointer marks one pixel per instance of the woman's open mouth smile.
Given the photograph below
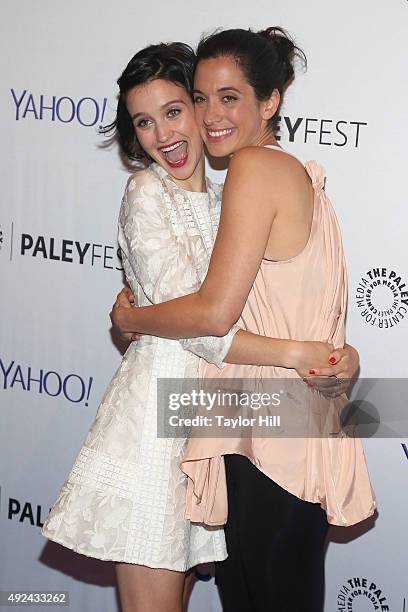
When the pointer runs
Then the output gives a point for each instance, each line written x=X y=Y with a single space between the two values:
x=175 y=154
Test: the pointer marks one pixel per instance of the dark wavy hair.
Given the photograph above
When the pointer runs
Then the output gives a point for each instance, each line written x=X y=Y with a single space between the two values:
x=266 y=58
x=172 y=62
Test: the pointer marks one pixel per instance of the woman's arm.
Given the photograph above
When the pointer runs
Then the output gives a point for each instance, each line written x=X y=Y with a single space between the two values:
x=253 y=190
x=250 y=349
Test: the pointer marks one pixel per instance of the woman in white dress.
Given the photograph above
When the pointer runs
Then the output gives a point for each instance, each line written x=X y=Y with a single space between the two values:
x=124 y=499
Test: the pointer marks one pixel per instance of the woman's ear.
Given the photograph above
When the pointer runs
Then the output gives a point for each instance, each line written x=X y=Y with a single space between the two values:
x=271 y=105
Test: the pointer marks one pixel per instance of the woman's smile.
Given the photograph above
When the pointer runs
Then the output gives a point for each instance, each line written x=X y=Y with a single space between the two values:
x=215 y=136
x=175 y=154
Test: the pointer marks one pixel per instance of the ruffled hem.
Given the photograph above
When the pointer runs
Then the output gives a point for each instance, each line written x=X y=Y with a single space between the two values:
x=344 y=491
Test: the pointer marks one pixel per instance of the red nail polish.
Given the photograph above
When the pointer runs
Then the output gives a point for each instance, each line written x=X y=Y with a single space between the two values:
x=312 y=372
x=332 y=360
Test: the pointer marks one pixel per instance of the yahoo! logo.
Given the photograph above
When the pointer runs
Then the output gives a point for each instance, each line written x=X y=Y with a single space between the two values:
x=86 y=111
x=72 y=386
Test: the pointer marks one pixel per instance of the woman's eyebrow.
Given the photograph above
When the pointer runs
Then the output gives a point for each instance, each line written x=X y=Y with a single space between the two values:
x=173 y=102
x=229 y=89
x=163 y=106
x=219 y=90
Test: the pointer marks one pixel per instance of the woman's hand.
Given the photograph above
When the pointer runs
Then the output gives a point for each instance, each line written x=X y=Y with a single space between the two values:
x=343 y=363
x=124 y=299
x=334 y=379
x=308 y=356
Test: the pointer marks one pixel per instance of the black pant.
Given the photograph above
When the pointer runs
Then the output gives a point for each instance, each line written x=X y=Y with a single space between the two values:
x=275 y=545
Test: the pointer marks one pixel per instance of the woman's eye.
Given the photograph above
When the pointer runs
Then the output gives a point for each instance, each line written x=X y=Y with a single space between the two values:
x=143 y=123
x=198 y=100
x=173 y=112
x=229 y=99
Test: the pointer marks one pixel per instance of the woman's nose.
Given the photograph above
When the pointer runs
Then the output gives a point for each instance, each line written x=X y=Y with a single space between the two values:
x=163 y=132
x=211 y=115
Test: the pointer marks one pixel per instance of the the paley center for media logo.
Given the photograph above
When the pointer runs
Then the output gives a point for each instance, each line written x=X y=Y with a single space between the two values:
x=360 y=593
x=382 y=297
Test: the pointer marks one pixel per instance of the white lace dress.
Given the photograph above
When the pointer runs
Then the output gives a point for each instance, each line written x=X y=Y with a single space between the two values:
x=124 y=499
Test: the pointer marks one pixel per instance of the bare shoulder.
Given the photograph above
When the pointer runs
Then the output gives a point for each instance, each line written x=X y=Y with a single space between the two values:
x=252 y=157
x=250 y=165
x=271 y=163
x=270 y=176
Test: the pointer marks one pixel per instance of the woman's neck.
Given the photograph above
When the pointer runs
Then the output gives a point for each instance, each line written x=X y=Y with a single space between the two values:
x=264 y=139
x=195 y=182
x=267 y=138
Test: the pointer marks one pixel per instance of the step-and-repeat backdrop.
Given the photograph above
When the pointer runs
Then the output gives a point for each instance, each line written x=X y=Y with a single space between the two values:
x=60 y=196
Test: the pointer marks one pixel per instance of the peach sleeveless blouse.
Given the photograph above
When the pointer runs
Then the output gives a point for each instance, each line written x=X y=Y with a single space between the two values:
x=302 y=298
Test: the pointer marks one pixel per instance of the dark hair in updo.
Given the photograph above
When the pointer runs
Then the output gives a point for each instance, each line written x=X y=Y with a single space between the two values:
x=172 y=62
x=266 y=58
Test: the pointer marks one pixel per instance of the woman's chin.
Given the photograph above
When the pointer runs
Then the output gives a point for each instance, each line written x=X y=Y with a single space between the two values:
x=220 y=150
x=181 y=173
x=179 y=170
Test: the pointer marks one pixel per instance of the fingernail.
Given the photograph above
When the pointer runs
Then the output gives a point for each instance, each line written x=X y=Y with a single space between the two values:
x=312 y=372
x=332 y=360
